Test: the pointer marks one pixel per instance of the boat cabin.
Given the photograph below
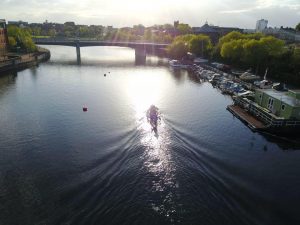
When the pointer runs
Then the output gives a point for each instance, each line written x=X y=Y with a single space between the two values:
x=282 y=104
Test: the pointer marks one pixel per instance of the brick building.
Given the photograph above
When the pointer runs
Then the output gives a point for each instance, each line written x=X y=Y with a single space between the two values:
x=3 y=37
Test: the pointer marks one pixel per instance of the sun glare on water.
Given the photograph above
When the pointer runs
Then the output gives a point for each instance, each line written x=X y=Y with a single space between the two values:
x=144 y=91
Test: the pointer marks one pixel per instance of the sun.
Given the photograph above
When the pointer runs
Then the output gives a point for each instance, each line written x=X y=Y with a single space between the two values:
x=143 y=91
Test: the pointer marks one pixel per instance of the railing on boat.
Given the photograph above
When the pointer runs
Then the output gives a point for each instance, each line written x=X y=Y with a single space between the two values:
x=266 y=117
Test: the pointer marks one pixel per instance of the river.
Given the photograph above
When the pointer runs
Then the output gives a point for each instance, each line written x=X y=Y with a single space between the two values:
x=60 y=165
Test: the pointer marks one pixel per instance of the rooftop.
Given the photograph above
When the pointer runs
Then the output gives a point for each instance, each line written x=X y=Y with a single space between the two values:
x=282 y=96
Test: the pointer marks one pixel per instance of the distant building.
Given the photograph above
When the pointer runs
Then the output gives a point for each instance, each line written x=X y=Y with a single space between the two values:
x=19 y=23
x=214 y=32
x=286 y=35
x=3 y=37
x=249 y=31
x=69 y=24
x=297 y=37
x=108 y=29
x=261 y=25
x=176 y=23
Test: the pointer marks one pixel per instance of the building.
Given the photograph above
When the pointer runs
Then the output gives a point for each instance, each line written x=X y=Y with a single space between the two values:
x=3 y=37
x=249 y=31
x=214 y=32
x=261 y=25
x=287 y=35
x=69 y=23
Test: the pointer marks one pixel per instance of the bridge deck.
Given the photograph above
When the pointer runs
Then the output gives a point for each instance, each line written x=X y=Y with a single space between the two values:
x=86 y=43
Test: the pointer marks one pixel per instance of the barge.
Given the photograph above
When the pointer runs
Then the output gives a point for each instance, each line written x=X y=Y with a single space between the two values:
x=271 y=111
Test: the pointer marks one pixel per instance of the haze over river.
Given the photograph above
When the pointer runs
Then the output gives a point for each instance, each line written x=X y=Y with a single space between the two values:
x=60 y=165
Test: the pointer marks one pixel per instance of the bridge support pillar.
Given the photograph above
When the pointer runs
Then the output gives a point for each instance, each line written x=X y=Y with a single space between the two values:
x=140 y=55
x=78 y=53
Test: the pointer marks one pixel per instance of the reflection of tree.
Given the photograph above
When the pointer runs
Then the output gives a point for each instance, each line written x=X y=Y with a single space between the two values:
x=7 y=80
x=284 y=143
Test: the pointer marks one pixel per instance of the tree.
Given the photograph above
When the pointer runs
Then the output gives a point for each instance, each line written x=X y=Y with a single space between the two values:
x=29 y=44
x=295 y=60
x=273 y=45
x=185 y=38
x=200 y=45
x=255 y=53
x=148 y=35
x=233 y=50
x=177 y=49
x=184 y=28
x=21 y=37
x=52 y=32
x=298 y=27
x=36 y=31
x=234 y=35
x=197 y=44
x=168 y=26
x=12 y=42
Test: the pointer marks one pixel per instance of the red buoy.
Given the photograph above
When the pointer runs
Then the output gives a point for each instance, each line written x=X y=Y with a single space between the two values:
x=84 y=108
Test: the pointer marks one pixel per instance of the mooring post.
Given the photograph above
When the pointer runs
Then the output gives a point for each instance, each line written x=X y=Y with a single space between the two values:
x=78 y=52
x=140 y=55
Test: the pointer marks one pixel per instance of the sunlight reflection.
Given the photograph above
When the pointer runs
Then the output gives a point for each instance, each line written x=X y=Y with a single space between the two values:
x=144 y=91
x=159 y=164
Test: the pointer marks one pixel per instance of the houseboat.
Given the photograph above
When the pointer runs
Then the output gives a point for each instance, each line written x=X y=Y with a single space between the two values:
x=270 y=111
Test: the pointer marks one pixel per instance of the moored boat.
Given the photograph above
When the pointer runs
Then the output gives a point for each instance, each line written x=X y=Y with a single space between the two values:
x=247 y=76
x=179 y=64
x=264 y=84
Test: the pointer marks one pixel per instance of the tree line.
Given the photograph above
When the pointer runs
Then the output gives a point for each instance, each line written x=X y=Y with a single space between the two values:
x=156 y=33
x=244 y=51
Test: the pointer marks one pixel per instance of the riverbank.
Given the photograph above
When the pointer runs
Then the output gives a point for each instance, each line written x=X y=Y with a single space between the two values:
x=16 y=62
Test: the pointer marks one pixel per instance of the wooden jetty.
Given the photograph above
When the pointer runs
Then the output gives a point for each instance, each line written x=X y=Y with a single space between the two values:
x=253 y=123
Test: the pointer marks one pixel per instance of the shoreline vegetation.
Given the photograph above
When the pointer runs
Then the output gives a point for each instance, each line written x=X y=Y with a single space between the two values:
x=256 y=51
x=19 y=61
x=22 y=52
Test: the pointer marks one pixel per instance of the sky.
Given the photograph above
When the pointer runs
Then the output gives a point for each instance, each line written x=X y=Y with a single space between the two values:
x=121 y=13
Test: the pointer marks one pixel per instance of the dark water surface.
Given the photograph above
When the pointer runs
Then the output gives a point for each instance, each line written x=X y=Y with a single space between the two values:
x=59 y=165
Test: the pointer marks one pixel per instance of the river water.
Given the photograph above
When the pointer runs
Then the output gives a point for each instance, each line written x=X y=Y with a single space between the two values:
x=60 y=165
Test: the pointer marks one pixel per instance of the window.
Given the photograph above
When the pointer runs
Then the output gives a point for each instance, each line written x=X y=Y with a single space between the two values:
x=282 y=107
x=270 y=103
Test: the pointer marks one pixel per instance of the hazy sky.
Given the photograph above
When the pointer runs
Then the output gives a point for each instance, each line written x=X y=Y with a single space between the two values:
x=233 y=13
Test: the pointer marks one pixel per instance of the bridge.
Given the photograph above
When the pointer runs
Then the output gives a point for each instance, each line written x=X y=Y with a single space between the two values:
x=141 y=48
